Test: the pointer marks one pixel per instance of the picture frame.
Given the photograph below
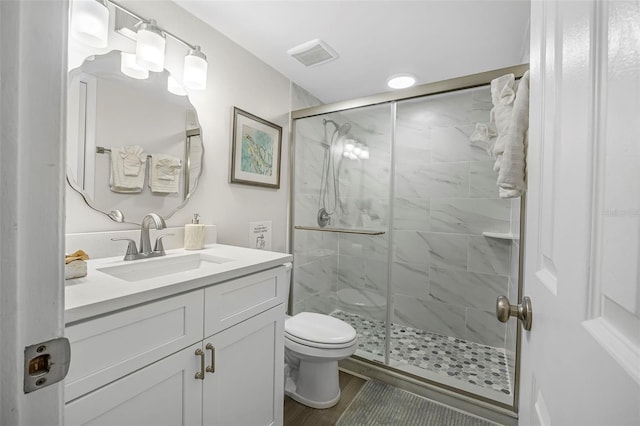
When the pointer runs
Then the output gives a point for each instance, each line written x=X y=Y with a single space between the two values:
x=255 y=150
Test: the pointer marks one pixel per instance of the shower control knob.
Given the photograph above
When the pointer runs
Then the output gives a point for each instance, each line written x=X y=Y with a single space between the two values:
x=524 y=311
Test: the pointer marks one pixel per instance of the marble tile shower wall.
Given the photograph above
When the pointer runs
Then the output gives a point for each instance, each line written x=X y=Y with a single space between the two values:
x=446 y=274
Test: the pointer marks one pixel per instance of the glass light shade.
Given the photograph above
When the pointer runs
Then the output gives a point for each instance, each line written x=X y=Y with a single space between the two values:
x=130 y=67
x=365 y=153
x=90 y=22
x=195 y=69
x=401 y=81
x=174 y=87
x=348 y=146
x=150 y=47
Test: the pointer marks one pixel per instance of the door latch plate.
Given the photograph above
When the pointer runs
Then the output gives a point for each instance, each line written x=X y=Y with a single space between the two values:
x=46 y=363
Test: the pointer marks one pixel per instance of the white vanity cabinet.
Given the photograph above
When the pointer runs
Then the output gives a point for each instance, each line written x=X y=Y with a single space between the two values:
x=212 y=356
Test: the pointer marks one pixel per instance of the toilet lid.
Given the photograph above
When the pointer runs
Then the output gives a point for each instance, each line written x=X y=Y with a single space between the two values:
x=319 y=328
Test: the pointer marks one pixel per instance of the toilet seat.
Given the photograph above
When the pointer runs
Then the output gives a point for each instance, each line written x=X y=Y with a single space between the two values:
x=319 y=345
x=319 y=330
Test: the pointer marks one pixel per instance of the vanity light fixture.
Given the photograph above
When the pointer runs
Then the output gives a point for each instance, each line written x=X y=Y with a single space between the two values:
x=130 y=67
x=150 y=41
x=174 y=87
x=90 y=22
x=401 y=81
x=150 y=46
x=195 y=69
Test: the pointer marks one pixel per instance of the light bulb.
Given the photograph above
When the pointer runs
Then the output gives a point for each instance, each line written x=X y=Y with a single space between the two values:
x=195 y=69
x=401 y=81
x=174 y=87
x=90 y=22
x=150 y=46
x=130 y=67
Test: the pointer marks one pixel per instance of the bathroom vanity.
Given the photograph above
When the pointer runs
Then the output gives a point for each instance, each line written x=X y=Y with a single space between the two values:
x=194 y=338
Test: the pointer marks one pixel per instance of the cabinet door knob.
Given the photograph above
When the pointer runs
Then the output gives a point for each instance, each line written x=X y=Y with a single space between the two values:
x=200 y=374
x=212 y=367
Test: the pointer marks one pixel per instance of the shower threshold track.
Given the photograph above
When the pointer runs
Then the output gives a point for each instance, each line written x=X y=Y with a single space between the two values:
x=417 y=350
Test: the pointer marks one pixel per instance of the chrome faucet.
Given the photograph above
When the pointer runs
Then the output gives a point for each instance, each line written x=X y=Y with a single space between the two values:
x=158 y=223
x=145 y=243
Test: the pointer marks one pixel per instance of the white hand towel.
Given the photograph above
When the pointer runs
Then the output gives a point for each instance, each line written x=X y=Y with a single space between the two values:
x=503 y=96
x=125 y=161
x=132 y=159
x=512 y=167
x=165 y=173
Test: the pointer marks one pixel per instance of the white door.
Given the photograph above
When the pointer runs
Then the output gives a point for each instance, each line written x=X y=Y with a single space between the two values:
x=581 y=360
x=33 y=74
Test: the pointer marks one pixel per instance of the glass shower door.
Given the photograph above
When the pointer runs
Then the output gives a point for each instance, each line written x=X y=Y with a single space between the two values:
x=454 y=253
x=341 y=217
x=400 y=232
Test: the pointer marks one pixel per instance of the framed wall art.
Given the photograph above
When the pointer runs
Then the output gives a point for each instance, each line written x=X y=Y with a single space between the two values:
x=255 y=150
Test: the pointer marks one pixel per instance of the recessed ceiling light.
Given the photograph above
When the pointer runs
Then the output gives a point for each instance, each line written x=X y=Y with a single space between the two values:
x=401 y=81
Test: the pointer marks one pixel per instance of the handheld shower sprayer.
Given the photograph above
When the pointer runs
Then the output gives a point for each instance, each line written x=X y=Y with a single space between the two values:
x=329 y=198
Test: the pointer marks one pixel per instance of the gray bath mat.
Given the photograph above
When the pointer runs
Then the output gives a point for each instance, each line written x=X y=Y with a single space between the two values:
x=380 y=404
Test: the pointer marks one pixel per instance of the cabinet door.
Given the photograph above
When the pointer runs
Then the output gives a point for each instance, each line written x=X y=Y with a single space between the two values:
x=247 y=386
x=164 y=393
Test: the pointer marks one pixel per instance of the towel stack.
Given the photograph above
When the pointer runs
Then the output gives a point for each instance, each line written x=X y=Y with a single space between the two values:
x=164 y=176
x=128 y=165
x=505 y=136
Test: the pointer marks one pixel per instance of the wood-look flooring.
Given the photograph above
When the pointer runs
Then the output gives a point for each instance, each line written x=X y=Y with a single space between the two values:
x=296 y=414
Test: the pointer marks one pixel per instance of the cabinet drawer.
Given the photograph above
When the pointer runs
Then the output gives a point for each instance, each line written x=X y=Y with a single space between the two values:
x=234 y=301
x=109 y=347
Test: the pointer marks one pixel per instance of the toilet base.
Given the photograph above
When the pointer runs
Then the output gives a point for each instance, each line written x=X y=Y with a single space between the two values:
x=313 y=404
x=316 y=385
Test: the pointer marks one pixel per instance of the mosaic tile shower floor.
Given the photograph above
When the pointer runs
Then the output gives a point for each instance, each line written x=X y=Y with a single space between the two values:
x=477 y=364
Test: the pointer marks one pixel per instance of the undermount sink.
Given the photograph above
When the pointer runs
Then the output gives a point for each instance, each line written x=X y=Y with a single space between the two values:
x=161 y=266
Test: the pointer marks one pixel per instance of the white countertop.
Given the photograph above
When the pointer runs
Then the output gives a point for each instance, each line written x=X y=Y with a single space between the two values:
x=99 y=293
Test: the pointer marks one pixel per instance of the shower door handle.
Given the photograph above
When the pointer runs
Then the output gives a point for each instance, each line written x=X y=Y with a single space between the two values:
x=524 y=311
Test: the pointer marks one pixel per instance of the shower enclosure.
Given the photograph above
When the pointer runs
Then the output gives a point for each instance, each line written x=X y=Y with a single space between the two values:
x=398 y=230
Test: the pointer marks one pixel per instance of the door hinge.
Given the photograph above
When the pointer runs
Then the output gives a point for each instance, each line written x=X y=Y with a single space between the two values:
x=46 y=363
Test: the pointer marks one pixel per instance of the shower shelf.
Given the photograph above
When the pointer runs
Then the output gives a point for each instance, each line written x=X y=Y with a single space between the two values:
x=341 y=230
x=502 y=235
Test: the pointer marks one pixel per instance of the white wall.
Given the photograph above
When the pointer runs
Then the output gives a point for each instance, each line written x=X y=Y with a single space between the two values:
x=236 y=78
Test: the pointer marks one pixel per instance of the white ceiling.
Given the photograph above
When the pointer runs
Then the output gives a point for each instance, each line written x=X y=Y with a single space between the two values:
x=434 y=40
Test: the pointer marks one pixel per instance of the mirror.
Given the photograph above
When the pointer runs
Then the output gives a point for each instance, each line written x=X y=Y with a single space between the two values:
x=133 y=147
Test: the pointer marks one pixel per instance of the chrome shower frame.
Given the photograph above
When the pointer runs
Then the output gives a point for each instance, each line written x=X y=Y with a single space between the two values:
x=501 y=412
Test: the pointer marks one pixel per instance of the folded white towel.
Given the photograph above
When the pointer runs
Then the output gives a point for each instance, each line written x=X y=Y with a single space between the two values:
x=165 y=173
x=484 y=135
x=511 y=179
x=127 y=169
x=502 y=96
x=505 y=136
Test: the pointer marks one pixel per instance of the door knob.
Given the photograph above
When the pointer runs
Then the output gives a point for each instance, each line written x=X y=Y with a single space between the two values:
x=524 y=312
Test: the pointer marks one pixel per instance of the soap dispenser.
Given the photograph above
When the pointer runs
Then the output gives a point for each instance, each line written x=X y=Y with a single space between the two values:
x=194 y=234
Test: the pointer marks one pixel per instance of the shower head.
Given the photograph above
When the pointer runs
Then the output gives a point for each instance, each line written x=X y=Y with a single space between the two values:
x=341 y=130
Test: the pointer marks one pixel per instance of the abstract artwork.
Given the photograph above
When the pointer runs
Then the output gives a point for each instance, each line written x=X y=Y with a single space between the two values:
x=255 y=150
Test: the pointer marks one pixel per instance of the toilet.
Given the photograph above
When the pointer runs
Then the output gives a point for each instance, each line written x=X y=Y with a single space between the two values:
x=313 y=345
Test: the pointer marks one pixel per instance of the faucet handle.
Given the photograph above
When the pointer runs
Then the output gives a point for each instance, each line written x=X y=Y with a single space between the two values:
x=158 y=246
x=132 y=250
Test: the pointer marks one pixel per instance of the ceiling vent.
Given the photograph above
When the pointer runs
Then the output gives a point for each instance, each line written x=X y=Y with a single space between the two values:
x=314 y=52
